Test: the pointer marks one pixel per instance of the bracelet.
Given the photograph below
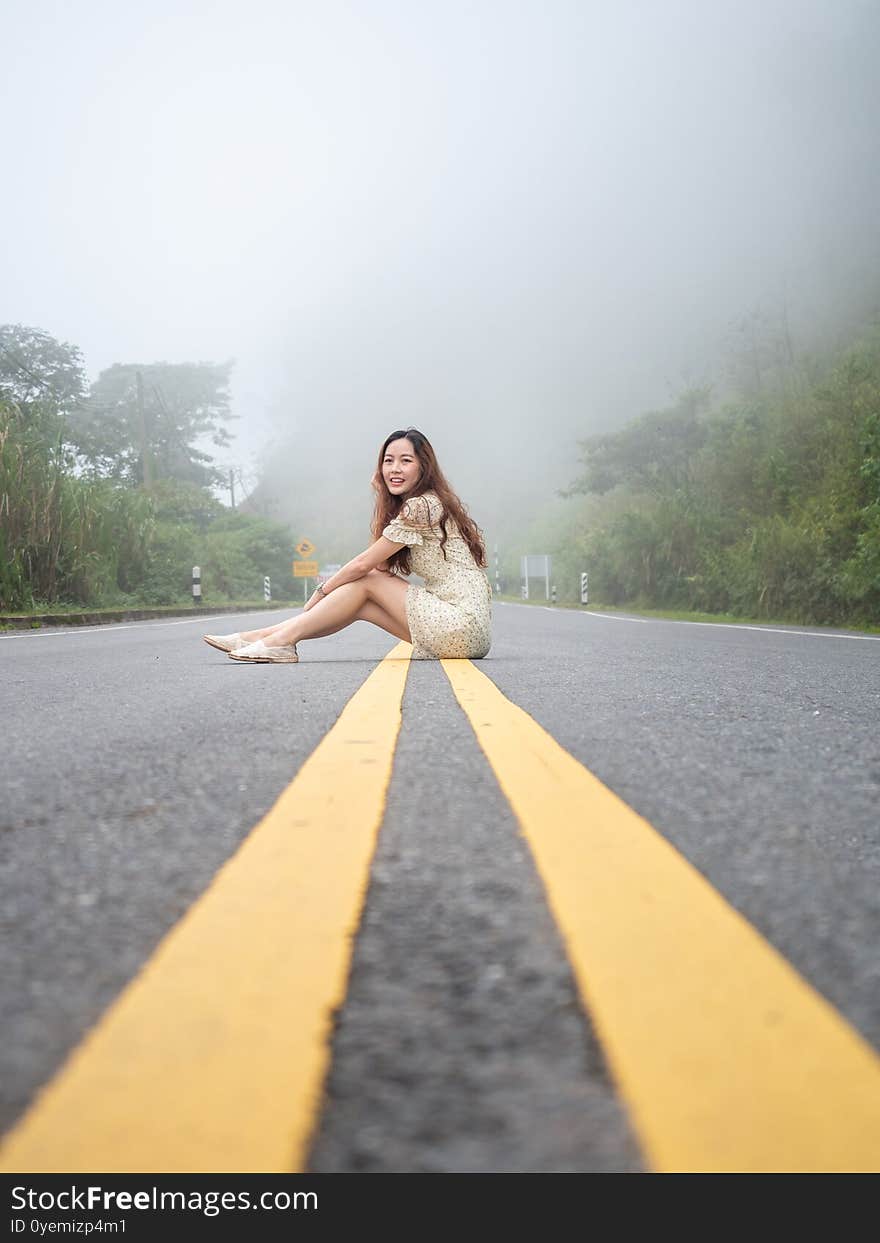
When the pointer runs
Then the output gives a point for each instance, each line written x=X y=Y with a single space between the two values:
x=321 y=589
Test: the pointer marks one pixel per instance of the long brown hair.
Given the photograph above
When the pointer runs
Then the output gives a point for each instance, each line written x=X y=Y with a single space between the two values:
x=431 y=479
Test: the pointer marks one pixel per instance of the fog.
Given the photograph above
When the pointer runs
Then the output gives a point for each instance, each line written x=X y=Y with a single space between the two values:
x=510 y=224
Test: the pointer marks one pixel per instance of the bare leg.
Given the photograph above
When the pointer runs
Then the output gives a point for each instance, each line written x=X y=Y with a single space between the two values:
x=339 y=609
x=250 y=636
x=379 y=616
x=386 y=606
x=377 y=597
x=274 y=635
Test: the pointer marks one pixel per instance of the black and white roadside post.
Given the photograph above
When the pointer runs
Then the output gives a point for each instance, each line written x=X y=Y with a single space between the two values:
x=553 y=594
x=267 y=589
x=197 y=585
x=585 y=595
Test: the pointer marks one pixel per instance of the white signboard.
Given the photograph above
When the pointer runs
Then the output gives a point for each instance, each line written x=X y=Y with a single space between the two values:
x=535 y=566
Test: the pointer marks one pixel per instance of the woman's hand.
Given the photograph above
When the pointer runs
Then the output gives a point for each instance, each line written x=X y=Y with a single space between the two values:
x=312 y=600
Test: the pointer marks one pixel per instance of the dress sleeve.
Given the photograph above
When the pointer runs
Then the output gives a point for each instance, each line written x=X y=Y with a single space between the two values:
x=417 y=517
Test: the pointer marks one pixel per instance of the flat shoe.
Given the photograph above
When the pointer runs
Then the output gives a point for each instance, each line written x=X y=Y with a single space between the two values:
x=225 y=642
x=260 y=654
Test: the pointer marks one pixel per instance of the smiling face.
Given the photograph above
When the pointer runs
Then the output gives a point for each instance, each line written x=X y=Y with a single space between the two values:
x=400 y=467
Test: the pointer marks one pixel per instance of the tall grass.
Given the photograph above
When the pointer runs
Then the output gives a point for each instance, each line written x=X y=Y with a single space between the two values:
x=61 y=536
x=65 y=537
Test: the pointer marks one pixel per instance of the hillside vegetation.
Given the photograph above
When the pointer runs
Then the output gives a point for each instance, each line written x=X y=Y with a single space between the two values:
x=763 y=504
x=104 y=498
x=767 y=505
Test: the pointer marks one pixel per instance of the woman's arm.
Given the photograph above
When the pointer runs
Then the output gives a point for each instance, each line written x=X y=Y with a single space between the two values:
x=372 y=558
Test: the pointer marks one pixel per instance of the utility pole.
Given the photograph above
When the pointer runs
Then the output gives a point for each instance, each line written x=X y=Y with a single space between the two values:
x=232 y=487
x=146 y=465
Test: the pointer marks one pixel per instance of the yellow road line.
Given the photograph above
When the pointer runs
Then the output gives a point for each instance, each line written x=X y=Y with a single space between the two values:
x=726 y=1058
x=213 y=1058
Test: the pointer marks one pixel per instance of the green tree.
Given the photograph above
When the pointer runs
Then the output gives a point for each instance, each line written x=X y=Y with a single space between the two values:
x=89 y=537
x=769 y=506
x=142 y=423
x=38 y=372
x=653 y=454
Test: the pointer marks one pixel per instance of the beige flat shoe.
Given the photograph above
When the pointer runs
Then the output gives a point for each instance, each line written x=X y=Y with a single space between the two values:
x=225 y=642
x=260 y=654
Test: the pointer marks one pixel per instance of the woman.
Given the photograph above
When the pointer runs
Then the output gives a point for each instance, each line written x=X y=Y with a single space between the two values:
x=420 y=525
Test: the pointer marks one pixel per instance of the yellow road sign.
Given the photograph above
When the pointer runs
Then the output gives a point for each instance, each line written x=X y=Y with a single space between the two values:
x=305 y=547
x=305 y=569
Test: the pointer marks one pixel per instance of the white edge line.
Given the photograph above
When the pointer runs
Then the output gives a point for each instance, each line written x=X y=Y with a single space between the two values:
x=549 y=608
x=681 y=621
x=813 y=634
x=643 y=621
x=141 y=625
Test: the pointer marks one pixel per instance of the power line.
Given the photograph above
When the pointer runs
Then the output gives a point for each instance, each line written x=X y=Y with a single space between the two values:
x=24 y=369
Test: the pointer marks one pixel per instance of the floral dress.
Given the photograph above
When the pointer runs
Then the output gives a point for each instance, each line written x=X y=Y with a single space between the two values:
x=452 y=614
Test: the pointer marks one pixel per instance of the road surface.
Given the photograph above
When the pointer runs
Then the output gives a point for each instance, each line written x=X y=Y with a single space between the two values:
x=471 y=1030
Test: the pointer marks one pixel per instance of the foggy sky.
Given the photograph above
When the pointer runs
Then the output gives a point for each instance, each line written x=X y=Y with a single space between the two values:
x=508 y=223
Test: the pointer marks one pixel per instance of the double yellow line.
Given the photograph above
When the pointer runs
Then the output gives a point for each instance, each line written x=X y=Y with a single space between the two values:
x=726 y=1058
x=214 y=1057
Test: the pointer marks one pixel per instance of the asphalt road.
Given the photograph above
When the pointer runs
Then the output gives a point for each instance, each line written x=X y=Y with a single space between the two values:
x=136 y=759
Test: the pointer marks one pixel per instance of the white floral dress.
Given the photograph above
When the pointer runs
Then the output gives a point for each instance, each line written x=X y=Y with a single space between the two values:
x=452 y=614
